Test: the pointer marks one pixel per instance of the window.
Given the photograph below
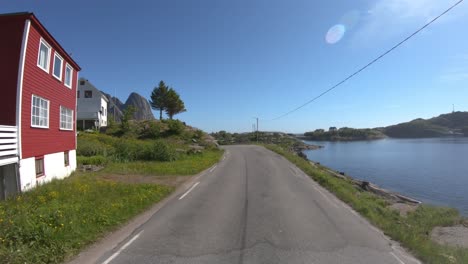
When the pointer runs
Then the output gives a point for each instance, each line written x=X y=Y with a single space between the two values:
x=39 y=167
x=58 y=61
x=44 y=56
x=66 y=158
x=82 y=82
x=39 y=112
x=66 y=118
x=78 y=94
x=68 y=76
x=88 y=94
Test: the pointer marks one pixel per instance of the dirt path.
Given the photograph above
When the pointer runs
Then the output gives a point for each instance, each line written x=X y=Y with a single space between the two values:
x=174 y=181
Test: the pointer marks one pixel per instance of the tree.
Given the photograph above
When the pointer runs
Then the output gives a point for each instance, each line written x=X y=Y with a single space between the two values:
x=127 y=115
x=158 y=98
x=173 y=104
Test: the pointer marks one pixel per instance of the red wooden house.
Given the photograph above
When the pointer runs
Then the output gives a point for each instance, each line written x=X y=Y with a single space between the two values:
x=38 y=83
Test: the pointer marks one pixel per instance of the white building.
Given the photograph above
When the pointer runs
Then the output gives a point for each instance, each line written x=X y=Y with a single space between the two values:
x=91 y=107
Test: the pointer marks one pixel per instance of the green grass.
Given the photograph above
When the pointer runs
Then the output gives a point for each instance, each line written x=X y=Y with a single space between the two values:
x=186 y=165
x=58 y=219
x=411 y=231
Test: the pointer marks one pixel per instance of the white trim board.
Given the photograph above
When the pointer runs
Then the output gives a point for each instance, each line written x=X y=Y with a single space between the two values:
x=19 y=90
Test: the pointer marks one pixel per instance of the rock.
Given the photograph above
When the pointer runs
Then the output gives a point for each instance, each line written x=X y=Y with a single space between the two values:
x=196 y=147
x=451 y=235
x=114 y=106
x=403 y=208
x=93 y=168
x=364 y=185
x=142 y=106
x=302 y=155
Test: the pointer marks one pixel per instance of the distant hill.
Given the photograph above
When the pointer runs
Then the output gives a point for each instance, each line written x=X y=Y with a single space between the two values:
x=452 y=124
x=143 y=108
x=443 y=125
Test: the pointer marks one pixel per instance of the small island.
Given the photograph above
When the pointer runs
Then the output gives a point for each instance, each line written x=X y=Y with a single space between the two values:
x=343 y=134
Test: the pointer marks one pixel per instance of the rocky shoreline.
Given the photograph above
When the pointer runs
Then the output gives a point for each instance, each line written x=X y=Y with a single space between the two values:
x=389 y=196
x=402 y=204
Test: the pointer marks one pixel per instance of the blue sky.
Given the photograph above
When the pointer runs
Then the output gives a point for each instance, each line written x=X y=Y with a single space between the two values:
x=233 y=60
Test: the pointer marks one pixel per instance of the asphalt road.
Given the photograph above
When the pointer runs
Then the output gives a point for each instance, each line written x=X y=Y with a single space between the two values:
x=256 y=207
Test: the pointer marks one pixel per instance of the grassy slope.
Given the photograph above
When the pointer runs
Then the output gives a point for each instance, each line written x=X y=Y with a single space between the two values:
x=412 y=231
x=59 y=219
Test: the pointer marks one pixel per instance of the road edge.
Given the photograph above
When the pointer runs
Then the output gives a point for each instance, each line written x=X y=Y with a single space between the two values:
x=114 y=239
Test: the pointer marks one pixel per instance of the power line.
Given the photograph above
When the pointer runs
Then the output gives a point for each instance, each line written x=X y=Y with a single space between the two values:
x=370 y=63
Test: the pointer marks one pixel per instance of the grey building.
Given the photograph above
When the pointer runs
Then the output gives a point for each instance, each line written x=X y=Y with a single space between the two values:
x=91 y=106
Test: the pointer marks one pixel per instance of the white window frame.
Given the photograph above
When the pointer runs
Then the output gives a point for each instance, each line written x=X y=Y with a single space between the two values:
x=61 y=67
x=41 y=160
x=42 y=41
x=71 y=76
x=65 y=121
x=32 y=112
x=66 y=158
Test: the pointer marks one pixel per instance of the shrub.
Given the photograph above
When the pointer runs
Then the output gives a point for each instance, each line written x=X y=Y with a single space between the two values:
x=127 y=150
x=131 y=150
x=89 y=146
x=150 y=130
x=175 y=127
x=94 y=160
x=198 y=134
x=159 y=151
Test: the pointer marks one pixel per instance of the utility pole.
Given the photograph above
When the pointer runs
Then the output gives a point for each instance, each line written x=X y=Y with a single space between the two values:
x=257 y=129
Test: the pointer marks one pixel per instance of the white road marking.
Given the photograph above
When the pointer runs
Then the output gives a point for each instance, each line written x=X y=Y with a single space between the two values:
x=406 y=256
x=212 y=169
x=122 y=248
x=189 y=190
x=224 y=158
x=397 y=258
x=362 y=220
x=318 y=189
x=293 y=171
x=354 y=213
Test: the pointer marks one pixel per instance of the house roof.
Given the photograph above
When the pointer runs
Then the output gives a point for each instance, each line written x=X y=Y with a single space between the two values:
x=46 y=33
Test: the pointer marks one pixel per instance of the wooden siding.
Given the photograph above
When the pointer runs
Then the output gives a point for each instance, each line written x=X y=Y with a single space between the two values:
x=41 y=141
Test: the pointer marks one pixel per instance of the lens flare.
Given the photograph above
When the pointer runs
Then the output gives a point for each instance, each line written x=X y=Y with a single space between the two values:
x=335 y=34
